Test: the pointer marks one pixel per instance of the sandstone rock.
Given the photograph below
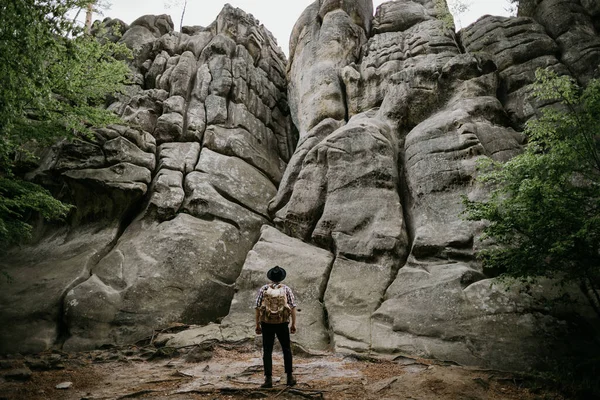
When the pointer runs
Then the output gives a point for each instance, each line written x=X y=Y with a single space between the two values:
x=354 y=291
x=326 y=38
x=414 y=56
x=143 y=109
x=195 y=43
x=30 y=323
x=237 y=180
x=167 y=193
x=572 y=26
x=519 y=46
x=307 y=268
x=216 y=109
x=204 y=200
x=181 y=157
x=146 y=29
x=196 y=336
x=111 y=29
x=332 y=175
x=260 y=152
x=398 y=16
x=124 y=176
x=182 y=74
x=156 y=69
x=143 y=285
x=169 y=128
x=122 y=150
x=310 y=140
x=432 y=313
x=392 y=118
x=191 y=230
x=78 y=154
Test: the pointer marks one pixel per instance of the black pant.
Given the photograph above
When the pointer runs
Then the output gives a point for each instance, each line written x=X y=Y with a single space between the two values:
x=282 y=332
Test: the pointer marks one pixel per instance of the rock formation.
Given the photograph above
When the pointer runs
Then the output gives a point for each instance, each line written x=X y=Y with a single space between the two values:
x=355 y=187
x=166 y=209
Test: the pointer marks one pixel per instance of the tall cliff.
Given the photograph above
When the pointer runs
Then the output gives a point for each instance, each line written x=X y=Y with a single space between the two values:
x=346 y=167
x=167 y=206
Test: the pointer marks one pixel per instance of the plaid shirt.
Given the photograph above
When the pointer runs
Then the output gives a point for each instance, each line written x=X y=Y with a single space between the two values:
x=291 y=300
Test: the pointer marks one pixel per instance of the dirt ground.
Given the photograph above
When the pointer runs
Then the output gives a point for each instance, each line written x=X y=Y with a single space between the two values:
x=235 y=372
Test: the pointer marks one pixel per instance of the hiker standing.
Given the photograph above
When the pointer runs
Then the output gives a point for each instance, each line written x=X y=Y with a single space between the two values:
x=275 y=304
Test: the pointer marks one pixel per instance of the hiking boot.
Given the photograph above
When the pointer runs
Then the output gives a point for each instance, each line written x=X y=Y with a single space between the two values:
x=268 y=383
x=291 y=381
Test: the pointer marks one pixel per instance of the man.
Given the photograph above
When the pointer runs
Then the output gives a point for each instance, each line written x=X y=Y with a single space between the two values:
x=275 y=304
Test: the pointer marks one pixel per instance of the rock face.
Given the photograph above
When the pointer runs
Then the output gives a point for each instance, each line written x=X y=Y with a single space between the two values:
x=519 y=46
x=574 y=27
x=167 y=210
x=179 y=218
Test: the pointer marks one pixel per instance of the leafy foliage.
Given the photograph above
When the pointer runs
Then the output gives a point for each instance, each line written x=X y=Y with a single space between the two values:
x=18 y=200
x=449 y=11
x=544 y=211
x=53 y=84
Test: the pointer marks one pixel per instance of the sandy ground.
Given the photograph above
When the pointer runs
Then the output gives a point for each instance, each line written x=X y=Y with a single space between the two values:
x=231 y=372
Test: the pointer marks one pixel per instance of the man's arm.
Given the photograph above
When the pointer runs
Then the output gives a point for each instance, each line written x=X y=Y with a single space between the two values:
x=258 y=329
x=293 y=327
x=257 y=305
x=292 y=303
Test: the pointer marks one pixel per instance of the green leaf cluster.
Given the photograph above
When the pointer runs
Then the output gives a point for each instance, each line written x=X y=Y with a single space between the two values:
x=54 y=82
x=544 y=208
x=18 y=201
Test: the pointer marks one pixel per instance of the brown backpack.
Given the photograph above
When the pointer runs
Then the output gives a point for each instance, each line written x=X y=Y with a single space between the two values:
x=274 y=308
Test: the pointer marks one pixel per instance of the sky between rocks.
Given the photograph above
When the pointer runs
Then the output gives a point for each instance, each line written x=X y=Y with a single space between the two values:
x=279 y=16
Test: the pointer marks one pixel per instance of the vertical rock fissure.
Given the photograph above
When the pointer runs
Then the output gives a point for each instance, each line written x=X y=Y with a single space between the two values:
x=344 y=97
x=405 y=201
x=188 y=101
x=322 y=290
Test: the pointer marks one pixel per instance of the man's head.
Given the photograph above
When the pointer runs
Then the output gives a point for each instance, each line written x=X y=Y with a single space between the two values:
x=276 y=274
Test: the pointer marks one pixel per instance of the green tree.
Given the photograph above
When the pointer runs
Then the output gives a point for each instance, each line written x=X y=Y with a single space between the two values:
x=544 y=209
x=54 y=82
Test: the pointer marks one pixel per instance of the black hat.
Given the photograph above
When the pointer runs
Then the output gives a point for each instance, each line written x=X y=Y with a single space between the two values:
x=276 y=274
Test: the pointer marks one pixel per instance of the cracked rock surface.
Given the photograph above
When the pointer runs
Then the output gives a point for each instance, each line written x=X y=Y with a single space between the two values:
x=346 y=166
x=166 y=209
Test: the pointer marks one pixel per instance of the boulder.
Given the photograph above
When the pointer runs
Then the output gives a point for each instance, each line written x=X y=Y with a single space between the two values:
x=142 y=284
x=451 y=312
x=122 y=150
x=260 y=152
x=41 y=275
x=237 y=180
x=167 y=194
x=146 y=29
x=181 y=157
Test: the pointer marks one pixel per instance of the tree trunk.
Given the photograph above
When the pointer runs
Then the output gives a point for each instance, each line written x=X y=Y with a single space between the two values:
x=88 y=18
x=587 y=287
x=182 y=15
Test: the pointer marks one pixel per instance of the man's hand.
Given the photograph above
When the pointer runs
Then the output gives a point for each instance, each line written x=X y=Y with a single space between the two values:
x=258 y=330
x=293 y=329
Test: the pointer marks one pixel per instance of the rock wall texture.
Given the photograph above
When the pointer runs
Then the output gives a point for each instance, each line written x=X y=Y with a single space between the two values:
x=346 y=167
x=169 y=204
